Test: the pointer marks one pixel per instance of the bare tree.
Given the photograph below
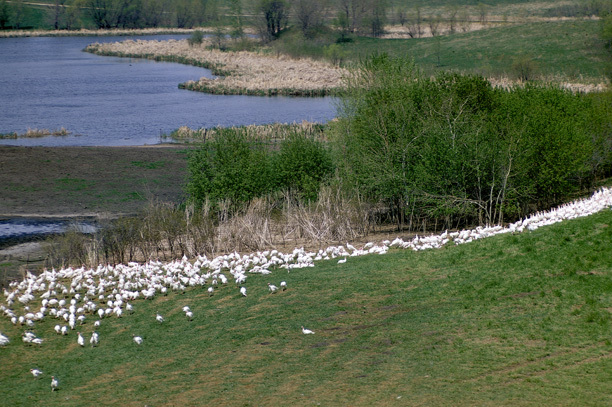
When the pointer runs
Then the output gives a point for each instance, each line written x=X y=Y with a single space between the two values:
x=273 y=18
x=308 y=14
x=155 y=12
x=185 y=13
x=354 y=10
x=377 y=17
x=57 y=12
x=483 y=10
x=464 y=20
x=402 y=17
x=452 y=19
x=415 y=24
x=434 y=24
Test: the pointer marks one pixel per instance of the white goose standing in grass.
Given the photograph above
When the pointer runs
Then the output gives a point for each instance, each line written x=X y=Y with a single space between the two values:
x=243 y=291
x=307 y=331
x=273 y=289
x=283 y=285
x=159 y=318
x=80 y=340
x=4 y=340
x=341 y=261
x=137 y=339
x=94 y=339
x=36 y=372
x=54 y=383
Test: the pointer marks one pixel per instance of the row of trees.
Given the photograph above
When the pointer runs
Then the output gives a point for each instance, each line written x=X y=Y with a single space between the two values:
x=349 y=16
x=270 y=17
x=72 y=14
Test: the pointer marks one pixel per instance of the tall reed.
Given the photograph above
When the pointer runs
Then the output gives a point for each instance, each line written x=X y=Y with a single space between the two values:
x=168 y=231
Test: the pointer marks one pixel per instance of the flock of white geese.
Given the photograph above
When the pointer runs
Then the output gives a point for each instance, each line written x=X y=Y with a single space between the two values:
x=72 y=295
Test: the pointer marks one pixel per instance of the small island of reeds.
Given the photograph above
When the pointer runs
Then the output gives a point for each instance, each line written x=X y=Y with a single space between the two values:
x=237 y=72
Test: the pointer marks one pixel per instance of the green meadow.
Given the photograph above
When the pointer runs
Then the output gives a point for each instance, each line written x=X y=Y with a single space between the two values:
x=510 y=320
x=569 y=50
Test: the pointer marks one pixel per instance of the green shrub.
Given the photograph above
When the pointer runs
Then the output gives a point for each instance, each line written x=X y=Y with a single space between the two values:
x=230 y=166
x=236 y=165
x=196 y=38
x=525 y=68
x=302 y=165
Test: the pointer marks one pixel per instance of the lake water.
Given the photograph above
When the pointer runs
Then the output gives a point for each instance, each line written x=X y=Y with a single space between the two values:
x=12 y=230
x=50 y=83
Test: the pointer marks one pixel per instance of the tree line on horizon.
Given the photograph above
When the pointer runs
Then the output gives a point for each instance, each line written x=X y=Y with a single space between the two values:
x=271 y=15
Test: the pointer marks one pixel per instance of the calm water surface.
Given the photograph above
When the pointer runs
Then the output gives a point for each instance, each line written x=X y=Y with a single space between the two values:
x=49 y=83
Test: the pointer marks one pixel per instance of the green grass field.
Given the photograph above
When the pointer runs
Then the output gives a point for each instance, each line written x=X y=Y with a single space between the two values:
x=510 y=320
x=568 y=49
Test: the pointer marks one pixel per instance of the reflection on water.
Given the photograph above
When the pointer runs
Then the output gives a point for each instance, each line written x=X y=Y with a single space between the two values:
x=22 y=228
x=51 y=83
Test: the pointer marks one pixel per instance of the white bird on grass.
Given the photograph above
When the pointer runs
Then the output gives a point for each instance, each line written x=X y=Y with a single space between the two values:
x=342 y=261
x=4 y=340
x=189 y=315
x=97 y=323
x=211 y=290
x=80 y=340
x=137 y=339
x=54 y=383
x=243 y=291
x=273 y=289
x=283 y=285
x=159 y=318
x=94 y=339
x=307 y=331
x=36 y=372
x=186 y=308
x=64 y=330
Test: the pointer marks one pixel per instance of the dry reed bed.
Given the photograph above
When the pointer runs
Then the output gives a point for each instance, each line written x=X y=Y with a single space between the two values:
x=256 y=132
x=36 y=133
x=507 y=83
x=244 y=72
x=166 y=231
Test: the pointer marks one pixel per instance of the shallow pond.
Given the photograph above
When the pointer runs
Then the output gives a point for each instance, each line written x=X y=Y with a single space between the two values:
x=50 y=83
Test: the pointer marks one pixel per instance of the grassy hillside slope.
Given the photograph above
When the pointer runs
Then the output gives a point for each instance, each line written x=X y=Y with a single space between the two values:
x=509 y=320
x=568 y=49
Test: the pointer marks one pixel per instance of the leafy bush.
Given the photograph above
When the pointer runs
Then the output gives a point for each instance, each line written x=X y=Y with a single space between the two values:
x=230 y=166
x=453 y=150
x=197 y=37
x=524 y=68
x=236 y=165
x=302 y=164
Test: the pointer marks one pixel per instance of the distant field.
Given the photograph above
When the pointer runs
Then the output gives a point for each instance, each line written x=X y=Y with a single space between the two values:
x=568 y=49
x=505 y=321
